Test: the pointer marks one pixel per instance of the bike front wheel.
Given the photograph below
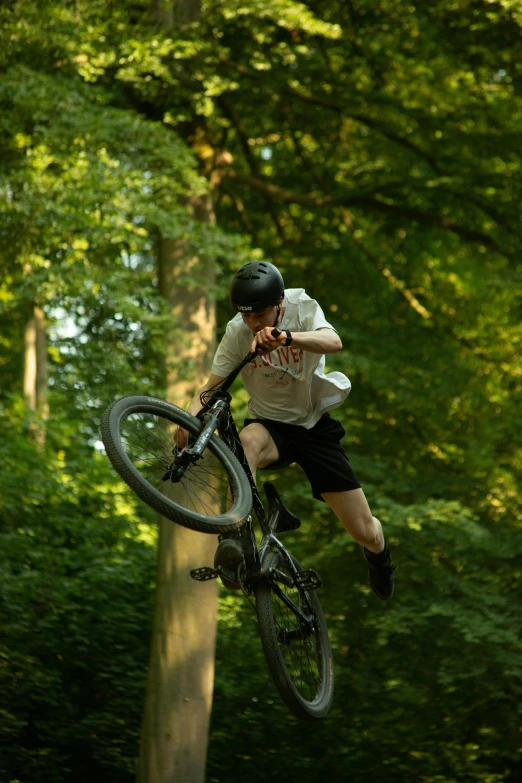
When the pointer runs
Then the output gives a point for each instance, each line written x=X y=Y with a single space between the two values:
x=212 y=495
x=295 y=639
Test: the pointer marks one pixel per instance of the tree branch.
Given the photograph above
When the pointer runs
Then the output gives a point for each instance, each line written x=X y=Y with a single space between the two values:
x=395 y=283
x=440 y=323
x=252 y=161
x=362 y=202
x=325 y=103
x=241 y=212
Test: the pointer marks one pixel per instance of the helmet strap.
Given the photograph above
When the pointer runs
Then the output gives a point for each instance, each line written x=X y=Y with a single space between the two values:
x=277 y=316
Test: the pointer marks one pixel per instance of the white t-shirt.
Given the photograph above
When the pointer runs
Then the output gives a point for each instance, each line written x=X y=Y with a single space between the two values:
x=287 y=384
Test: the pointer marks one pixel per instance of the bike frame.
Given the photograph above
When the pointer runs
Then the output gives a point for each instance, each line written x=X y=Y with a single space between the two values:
x=216 y=408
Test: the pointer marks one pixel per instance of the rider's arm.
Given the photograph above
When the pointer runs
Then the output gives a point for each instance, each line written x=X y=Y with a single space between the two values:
x=314 y=333
x=319 y=341
x=322 y=340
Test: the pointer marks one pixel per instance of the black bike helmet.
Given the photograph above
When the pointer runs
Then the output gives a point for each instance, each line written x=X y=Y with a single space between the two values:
x=255 y=286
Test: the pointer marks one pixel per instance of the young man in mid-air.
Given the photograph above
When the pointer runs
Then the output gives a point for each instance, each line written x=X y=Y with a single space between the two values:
x=290 y=397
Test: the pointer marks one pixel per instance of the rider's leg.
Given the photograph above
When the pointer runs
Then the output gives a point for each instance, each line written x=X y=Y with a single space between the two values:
x=353 y=511
x=260 y=449
x=351 y=507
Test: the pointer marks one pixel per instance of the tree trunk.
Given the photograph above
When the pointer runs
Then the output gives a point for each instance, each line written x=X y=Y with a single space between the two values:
x=167 y=14
x=181 y=670
x=42 y=370
x=180 y=685
x=30 y=363
x=35 y=374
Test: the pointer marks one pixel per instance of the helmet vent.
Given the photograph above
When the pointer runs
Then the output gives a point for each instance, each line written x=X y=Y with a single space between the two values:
x=247 y=274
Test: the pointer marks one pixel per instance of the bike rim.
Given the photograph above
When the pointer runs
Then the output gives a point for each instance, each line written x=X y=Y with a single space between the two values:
x=300 y=647
x=147 y=439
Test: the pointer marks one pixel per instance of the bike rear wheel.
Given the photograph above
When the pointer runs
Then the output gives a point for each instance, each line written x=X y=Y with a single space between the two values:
x=212 y=496
x=298 y=654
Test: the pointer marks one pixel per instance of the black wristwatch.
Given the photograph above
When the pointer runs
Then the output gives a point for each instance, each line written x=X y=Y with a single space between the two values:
x=289 y=337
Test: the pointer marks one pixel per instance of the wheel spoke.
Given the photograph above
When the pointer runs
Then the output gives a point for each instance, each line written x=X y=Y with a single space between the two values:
x=147 y=441
x=299 y=647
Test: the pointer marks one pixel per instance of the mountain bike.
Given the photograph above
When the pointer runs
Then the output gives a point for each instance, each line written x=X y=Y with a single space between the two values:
x=207 y=486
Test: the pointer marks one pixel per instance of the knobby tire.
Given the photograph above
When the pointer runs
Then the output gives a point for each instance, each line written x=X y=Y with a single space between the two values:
x=152 y=432
x=304 y=676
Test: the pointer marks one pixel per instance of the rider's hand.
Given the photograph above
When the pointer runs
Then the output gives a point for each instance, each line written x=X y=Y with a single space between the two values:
x=266 y=342
x=180 y=437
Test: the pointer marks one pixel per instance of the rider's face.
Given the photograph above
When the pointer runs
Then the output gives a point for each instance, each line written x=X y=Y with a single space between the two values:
x=258 y=321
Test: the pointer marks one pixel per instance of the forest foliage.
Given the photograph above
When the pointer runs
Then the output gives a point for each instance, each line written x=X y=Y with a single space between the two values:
x=371 y=150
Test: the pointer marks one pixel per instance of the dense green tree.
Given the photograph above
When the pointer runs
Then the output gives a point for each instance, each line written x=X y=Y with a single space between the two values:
x=371 y=150
x=77 y=570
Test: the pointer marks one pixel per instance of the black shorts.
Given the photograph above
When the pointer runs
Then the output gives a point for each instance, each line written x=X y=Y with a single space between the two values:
x=317 y=450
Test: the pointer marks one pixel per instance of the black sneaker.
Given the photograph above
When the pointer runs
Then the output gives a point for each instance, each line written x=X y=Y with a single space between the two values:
x=229 y=555
x=380 y=573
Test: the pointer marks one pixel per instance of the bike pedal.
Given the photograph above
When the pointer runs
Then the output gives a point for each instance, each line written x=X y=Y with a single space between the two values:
x=204 y=573
x=308 y=580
